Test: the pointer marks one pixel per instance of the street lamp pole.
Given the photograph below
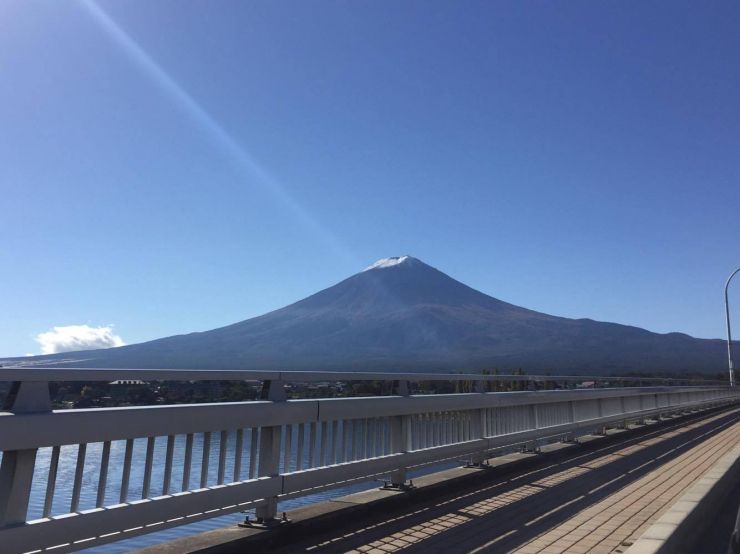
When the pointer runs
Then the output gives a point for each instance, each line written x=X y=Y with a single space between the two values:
x=729 y=333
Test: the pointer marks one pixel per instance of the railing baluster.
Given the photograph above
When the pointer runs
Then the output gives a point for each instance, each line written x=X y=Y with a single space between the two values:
x=356 y=438
x=205 y=460
x=312 y=430
x=238 y=448
x=169 y=454
x=253 y=452
x=103 y=479
x=149 y=461
x=386 y=435
x=299 y=447
x=51 y=481
x=288 y=450
x=345 y=452
x=222 y=444
x=322 y=448
x=364 y=439
x=371 y=438
x=79 y=472
x=126 y=473
x=187 y=462
x=334 y=441
x=380 y=437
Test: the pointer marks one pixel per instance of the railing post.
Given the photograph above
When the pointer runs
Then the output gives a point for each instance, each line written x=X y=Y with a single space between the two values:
x=478 y=429
x=572 y=411
x=568 y=437
x=623 y=408
x=600 y=413
x=16 y=470
x=642 y=420
x=400 y=436
x=536 y=422
x=269 y=452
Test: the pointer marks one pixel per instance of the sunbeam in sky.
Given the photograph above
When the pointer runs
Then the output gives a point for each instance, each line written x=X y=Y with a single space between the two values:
x=174 y=167
x=251 y=168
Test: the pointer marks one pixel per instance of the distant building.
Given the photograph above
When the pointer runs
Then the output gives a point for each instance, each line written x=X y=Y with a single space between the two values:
x=128 y=382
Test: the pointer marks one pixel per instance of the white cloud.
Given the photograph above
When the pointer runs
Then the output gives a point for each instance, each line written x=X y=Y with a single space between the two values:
x=69 y=338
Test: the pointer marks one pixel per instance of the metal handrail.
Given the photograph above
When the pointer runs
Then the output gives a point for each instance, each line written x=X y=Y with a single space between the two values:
x=84 y=374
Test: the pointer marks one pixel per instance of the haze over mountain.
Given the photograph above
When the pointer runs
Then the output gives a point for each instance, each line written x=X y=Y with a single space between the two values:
x=400 y=313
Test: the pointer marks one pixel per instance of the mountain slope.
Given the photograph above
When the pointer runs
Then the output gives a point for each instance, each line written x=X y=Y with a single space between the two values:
x=403 y=314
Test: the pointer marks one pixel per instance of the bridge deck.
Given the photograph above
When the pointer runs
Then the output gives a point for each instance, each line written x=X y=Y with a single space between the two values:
x=599 y=501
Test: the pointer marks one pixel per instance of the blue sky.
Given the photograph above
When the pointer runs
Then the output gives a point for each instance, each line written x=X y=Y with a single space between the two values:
x=170 y=166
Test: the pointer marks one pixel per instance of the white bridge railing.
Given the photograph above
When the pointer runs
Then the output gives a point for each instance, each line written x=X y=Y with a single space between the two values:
x=70 y=479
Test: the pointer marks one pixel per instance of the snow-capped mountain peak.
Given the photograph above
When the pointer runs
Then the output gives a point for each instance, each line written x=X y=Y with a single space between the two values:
x=390 y=262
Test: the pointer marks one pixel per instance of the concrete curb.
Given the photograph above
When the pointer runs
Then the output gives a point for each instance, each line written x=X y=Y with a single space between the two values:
x=678 y=529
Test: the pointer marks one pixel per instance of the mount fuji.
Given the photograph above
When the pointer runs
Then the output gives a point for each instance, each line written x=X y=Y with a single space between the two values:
x=402 y=314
